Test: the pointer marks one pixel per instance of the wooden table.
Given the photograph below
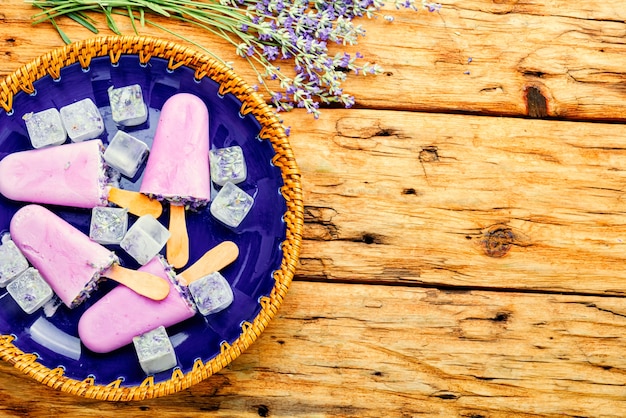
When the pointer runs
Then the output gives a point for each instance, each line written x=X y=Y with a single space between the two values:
x=465 y=227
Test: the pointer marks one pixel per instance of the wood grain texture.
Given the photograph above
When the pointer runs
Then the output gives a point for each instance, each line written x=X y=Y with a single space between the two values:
x=571 y=56
x=443 y=224
x=371 y=351
x=463 y=201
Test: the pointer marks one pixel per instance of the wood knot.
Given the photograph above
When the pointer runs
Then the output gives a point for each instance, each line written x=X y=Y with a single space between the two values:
x=429 y=154
x=536 y=103
x=501 y=317
x=497 y=241
x=263 y=411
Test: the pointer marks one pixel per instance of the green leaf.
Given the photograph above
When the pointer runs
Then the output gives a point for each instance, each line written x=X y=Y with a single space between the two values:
x=131 y=16
x=152 y=6
x=110 y=22
x=62 y=34
x=83 y=20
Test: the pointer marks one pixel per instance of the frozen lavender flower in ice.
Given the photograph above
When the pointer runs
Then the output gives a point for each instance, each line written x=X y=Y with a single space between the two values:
x=231 y=205
x=145 y=239
x=211 y=293
x=45 y=128
x=30 y=290
x=82 y=120
x=12 y=261
x=155 y=351
x=108 y=225
x=127 y=105
x=126 y=153
x=227 y=164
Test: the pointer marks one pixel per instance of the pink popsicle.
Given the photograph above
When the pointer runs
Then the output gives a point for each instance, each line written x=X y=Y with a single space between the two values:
x=178 y=167
x=121 y=314
x=67 y=175
x=69 y=261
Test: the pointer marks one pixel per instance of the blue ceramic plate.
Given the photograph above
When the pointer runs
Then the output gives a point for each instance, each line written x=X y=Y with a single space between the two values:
x=259 y=236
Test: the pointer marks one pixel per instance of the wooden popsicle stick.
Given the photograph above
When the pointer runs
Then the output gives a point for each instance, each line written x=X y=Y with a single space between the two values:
x=215 y=259
x=177 y=250
x=137 y=203
x=145 y=284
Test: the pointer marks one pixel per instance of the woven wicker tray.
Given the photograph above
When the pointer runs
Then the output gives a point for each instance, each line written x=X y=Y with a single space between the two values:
x=271 y=246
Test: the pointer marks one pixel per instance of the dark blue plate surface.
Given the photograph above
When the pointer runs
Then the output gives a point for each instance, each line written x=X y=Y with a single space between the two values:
x=259 y=236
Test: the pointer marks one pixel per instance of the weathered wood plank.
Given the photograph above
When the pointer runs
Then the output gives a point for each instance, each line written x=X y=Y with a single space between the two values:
x=569 y=60
x=463 y=200
x=443 y=200
x=397 y=351
x=574 y=59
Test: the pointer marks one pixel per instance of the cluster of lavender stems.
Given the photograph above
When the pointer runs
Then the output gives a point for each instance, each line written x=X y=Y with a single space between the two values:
x=301 y=31
x=298 y=33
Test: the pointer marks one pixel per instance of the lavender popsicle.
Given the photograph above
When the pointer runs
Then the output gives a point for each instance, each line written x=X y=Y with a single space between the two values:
x=121 y=314
x=69 y=261
x=67 y=175
x=178 y=167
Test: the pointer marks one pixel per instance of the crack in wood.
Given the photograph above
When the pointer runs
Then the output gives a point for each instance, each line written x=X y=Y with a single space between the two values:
x=319 y=223
x=366 y=129
x=491 y=90
x=367 y=238
x=533 y=73
x=445 y=395
x=501 y=316
x=594 y=306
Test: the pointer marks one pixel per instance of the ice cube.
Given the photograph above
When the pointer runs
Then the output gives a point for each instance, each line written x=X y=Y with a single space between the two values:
x=211 y=293
x=127 y=105
x=12 y=261
x=108 y=225
x=231 y=205
x=227 y=164
x=30 y=290
x=126 y=153
x=155 y=351
x=45 y=128
x=82 y=120
x=145 y=239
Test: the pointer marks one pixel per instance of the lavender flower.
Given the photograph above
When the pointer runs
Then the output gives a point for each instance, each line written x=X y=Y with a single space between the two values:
x=265 y=32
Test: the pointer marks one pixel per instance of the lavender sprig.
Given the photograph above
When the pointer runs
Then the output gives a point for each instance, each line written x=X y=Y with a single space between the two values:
x=266 y=33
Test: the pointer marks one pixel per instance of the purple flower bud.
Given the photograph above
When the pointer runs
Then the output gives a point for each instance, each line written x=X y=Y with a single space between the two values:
x=270 y=52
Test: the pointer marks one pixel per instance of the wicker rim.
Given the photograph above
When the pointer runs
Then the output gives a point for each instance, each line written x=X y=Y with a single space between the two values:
x=271 y=129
